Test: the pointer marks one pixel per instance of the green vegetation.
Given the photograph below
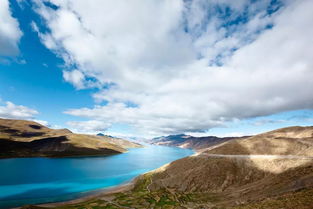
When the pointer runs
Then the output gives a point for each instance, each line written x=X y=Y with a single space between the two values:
x=297 y=200
x=141 y=197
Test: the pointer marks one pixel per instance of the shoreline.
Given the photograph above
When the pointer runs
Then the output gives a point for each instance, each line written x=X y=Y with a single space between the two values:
x=96 y=194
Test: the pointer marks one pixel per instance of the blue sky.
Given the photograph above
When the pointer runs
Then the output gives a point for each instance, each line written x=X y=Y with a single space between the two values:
x=34 y=77
x=156 y=68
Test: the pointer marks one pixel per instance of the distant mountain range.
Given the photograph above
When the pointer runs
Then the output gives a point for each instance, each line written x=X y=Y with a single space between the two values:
x=21 y=138
x=187 y=141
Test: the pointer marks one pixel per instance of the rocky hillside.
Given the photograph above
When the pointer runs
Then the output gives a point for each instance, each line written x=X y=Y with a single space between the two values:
x=225 y=182
x=243 y=170
x=286 y=141
x=191 y=142
x=20 y=138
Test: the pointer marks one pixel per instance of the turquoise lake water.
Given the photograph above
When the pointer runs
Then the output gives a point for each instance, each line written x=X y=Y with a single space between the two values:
x=41 y=180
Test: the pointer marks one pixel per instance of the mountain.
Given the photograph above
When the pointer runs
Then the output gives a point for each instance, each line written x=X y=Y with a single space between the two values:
x=120 y=142
x=286 y=141
x=273 y=170
x=191 y=142
x=21 y=138
x=243 y=171
x=225 y=182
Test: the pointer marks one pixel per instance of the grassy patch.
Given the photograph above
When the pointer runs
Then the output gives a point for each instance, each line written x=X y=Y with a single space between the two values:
x=297 y=200
x=141 y=198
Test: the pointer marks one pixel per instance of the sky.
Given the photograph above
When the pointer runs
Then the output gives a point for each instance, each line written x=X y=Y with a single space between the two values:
x=150 y=68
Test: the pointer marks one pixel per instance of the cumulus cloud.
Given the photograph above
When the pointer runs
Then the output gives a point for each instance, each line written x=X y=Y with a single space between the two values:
x=10 y=110
x=13 y=111
x=184 y=66
x=91 y=126
x=10 y=32
x=75 y=77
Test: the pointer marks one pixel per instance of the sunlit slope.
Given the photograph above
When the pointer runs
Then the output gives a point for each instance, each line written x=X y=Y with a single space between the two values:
x=23 y=130
x=20 y=138
x=120 y=142
x=286 y=141
x=240 y=171
x=186 y=141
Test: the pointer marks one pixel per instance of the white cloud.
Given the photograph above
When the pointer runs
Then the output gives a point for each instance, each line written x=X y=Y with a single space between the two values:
x=10 y=32
x=13 y=111
x=10 y=110
x=91 y=126
x=179 y=67
x=75 y=77
x=42 y=122
x=128 y=136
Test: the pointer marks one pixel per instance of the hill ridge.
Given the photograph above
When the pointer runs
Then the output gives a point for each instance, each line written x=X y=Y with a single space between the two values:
x=23 y=138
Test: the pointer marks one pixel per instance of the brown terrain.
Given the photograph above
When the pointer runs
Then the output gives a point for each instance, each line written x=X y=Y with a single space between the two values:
x=244 y=170
x=191 y=142
x=273 y=170
x=286 y=141
x=21 y=138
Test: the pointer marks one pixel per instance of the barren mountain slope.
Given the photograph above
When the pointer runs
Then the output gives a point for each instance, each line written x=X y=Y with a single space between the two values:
x=235 y=171
x=286 y=141
x=24 y=130
x=186 y=141
x=120 y=142
x=20 y=138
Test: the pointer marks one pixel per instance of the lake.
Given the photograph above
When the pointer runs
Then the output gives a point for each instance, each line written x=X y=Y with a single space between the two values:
x=41 y=180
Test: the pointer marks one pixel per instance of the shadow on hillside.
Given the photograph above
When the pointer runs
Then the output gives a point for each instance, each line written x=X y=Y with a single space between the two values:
x=48 y=147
